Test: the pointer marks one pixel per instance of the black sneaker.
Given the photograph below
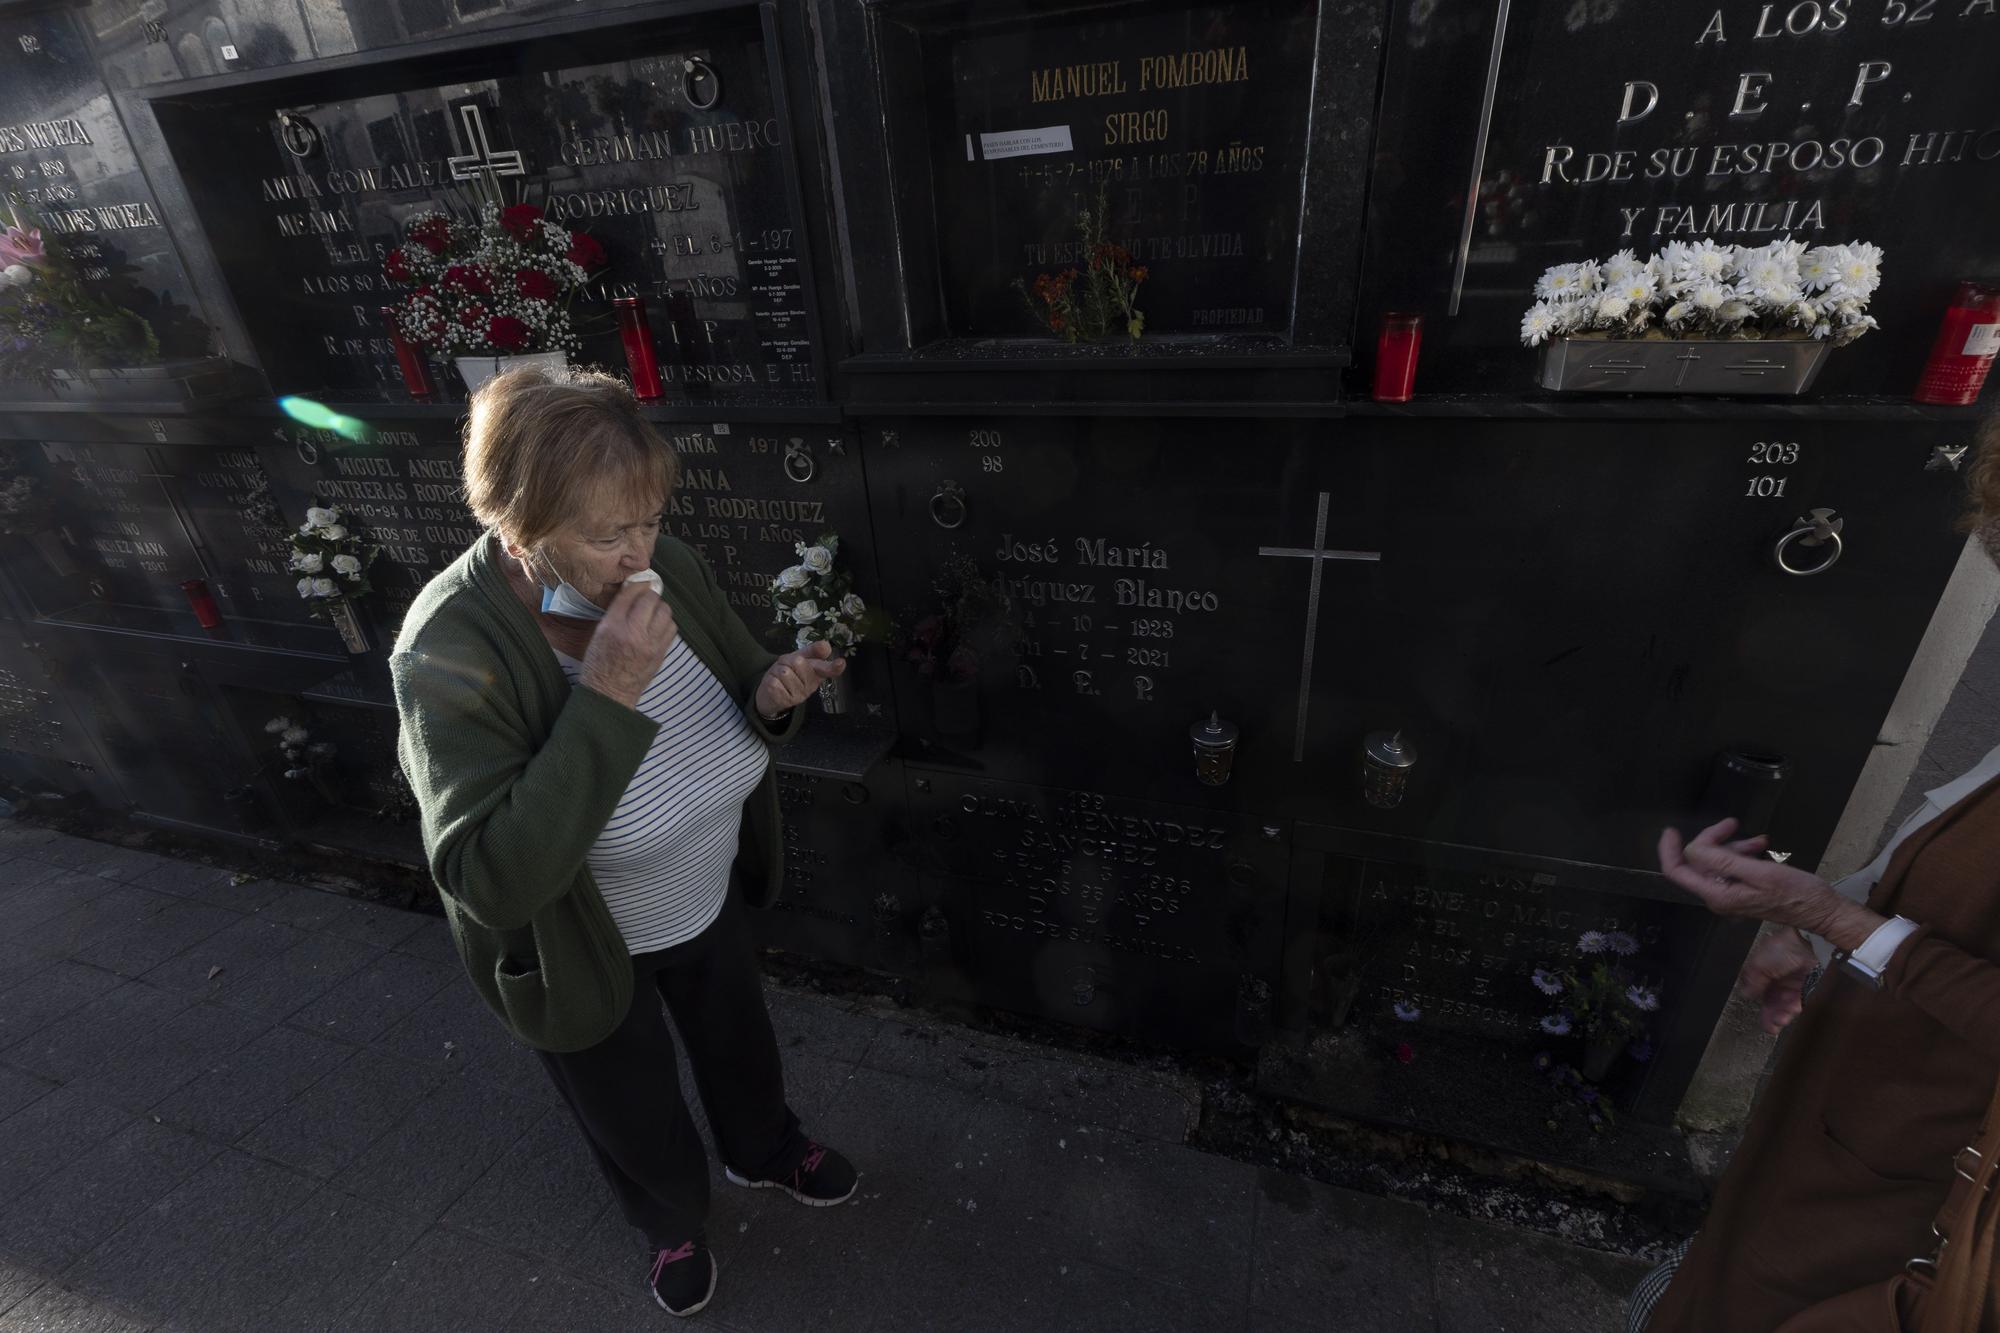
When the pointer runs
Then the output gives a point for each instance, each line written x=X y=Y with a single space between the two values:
x=683 y=1279
x=822 y=1179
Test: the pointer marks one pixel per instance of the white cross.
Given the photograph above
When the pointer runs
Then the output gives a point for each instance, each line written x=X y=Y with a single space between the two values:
x=482 y=158
x=1687 y=360
x=1319 y=555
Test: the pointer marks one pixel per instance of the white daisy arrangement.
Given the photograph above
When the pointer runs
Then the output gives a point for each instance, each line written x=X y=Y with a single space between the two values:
x=816 y=601
x=330 y=559
x=1700 y=289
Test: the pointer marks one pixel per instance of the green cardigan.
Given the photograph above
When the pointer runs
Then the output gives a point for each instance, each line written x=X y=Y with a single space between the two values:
x=516 y=773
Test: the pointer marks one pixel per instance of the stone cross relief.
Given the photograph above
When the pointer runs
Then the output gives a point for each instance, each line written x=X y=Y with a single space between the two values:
x=482 y=158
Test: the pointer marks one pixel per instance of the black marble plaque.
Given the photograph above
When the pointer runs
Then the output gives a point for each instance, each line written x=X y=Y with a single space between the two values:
x=141 y=44
x=748 y=494
x=351 y=796
x=127 y=525
x=1458 y=948
x=1469 y=955
x=667 y=147
x=400 y=488
x=68 y=169
x=117 y=539
x=1509 y=610
x=1618 y=124
x=1130 y=916
x=848 y=896
x=42 y=747
x=1191 y=119
x=161 y=729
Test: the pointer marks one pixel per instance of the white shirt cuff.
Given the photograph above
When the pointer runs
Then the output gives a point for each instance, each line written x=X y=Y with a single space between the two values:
x=1876 y=951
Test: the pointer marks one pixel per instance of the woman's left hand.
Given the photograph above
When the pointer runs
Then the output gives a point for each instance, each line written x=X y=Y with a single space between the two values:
x=793 y=678
x=1736 y=880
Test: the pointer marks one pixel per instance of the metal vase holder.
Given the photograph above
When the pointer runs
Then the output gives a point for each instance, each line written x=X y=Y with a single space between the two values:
x=1681 y=365
x=836 y=695
x=341 y=612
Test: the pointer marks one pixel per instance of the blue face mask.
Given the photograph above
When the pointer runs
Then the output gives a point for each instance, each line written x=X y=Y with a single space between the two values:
x=565 y=600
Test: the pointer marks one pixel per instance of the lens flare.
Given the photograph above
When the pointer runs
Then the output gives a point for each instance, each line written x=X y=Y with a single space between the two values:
x=321 y=417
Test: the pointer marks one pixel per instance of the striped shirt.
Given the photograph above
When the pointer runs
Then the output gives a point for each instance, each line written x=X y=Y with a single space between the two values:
x=663 y=859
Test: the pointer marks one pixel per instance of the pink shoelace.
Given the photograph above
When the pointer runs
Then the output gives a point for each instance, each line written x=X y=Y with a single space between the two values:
x=686 y=1251
x=814 y=1156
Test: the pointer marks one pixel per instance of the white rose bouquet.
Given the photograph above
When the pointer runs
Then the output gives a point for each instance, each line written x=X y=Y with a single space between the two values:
x=1698 y=289
x=815 y=601
x=330 y=559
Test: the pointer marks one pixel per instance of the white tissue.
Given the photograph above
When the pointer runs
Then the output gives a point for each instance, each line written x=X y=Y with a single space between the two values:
x=648 y=578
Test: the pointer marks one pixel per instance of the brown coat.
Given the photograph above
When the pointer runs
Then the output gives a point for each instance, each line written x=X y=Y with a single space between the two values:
x=1848 y=1155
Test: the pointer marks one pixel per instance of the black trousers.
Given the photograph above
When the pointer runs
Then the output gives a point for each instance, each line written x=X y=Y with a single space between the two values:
x=625 y=1091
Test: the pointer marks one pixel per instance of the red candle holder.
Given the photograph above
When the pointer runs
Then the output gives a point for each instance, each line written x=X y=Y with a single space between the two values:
x=1966 y=343
x=636 y=332
x=1396 y=357
x=416 y=374
x=202 y=603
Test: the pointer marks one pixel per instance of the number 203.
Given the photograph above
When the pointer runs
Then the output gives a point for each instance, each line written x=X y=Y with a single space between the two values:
x=1771 y=453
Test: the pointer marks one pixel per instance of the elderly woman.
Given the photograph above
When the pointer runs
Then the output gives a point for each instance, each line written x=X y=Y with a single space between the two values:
x=586 y=724
x=1884 y=1081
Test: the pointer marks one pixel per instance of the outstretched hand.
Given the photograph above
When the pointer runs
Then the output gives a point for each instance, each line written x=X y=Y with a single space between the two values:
x=1734 y=879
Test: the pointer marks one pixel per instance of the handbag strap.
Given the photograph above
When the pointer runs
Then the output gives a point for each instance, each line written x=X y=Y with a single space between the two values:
x=1962 y=1295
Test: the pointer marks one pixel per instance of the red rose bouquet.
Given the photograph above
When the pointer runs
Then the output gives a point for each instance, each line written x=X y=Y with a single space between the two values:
x=495 y=289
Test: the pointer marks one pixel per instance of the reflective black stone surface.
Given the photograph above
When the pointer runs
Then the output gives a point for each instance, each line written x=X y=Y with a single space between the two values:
x=666 y=148
x=68 y=169
x=1826 y=123
x=1568 y=607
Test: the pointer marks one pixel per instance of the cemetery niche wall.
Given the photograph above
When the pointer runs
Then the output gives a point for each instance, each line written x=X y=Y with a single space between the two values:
x=1226 y=709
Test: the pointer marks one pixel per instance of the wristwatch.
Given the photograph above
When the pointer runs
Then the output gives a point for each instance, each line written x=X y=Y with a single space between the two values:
x=1867 y=963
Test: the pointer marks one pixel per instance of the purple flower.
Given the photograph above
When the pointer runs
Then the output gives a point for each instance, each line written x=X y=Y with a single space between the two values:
x=1547 y=982
x=1643 y=999
x=1640 y=1050
x=1587 y=1094
x=1622 y=942
x=1409 y=1013
x=1556 y=1025
x=1592 y=941
x=1543 y=1062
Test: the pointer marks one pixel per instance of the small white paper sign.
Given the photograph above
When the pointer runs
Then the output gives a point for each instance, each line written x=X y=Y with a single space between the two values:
x=1023 y=143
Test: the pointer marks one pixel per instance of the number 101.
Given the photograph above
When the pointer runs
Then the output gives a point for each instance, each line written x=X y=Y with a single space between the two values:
x=1765 y=487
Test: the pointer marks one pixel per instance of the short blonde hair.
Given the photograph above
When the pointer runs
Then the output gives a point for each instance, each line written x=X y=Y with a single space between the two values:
x=542 y=446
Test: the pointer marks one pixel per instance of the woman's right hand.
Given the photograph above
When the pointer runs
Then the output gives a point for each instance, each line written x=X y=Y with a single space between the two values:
x=630 y=643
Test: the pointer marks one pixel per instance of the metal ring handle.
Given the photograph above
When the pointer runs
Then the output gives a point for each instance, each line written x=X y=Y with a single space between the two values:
x=695 y=68
x=949 y=495
x=1807 y=530
x=799 y=464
